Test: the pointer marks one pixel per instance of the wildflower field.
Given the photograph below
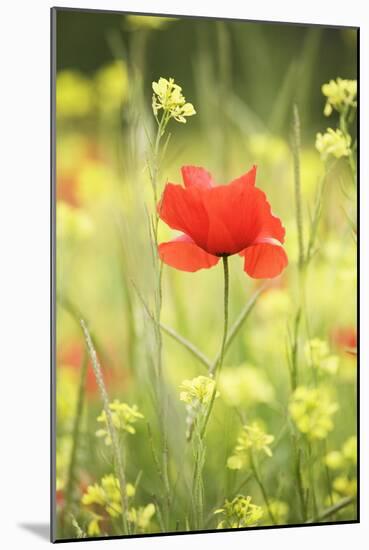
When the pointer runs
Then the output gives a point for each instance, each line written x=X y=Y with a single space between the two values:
x=206 y=342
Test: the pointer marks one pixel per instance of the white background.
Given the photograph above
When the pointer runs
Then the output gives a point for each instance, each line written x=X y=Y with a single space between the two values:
x=24 y=272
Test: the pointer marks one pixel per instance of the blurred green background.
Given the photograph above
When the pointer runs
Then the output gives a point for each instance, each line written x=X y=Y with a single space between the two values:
x=268 y=65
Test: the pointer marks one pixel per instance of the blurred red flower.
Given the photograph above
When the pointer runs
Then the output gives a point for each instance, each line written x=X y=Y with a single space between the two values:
x=345 y=338
x=66 y=190
x=72 y=356
x=60 y=498
x=220 y=221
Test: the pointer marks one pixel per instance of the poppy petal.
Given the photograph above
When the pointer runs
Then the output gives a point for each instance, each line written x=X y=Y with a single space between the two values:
x=249 y=178
x=194 y=175
x=182 y=253
x=271 y=227
x=265 y=260
x=237 y=214
x=183 y=209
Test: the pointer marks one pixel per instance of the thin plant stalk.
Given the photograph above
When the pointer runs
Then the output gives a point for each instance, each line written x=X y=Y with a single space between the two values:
x=297 y=177
x=154 y=173
x=328 y=476
x=255 y=471
x=174 y=334
x=198 y=443
x=344 y=130
x=118 y=459
x=300 y=485
x=232 y=332
x=311 y=479
x=332 y=510
x=237 y=325
x=75 y=436
x=197 y=482
x=296 y=146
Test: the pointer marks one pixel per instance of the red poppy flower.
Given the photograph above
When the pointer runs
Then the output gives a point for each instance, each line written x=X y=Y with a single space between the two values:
x=220 y=221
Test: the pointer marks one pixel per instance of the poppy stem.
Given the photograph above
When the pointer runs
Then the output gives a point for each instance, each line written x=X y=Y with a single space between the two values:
x=199 y=447
x=226 y=301
x=216 y=371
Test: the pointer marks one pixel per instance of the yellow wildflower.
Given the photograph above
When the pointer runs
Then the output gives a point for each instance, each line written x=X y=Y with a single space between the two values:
x=349 y=450
x=93 y=527
x=253 y=437
x=107 y=495
x=197 y=394
x=197 y=391
x=345 y=458
x=123 y=417
x=340 y=94
x=334 y=460
x=318 y=354
x=168 y=96
x=312 y=411
x=345 y=486
x=279 y=510
x=239 y=512
x=334 y=143
x=141 y=516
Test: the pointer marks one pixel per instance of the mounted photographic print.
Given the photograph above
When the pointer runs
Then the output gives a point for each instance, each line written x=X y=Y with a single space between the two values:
x=204 y=274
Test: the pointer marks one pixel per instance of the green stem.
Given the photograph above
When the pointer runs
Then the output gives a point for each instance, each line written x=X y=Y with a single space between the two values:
x=295 y=351
x=199 y=447
x=162 y=406
x=174 y=334
x=344 y=130
x=300 y=486
x=208 y=364
x=219 y=364
x=297 y=173
x=258 y=479
x=238 y=324
x=187 y=344
x=312 y=481
x=333 y=509
x=197 y=482
x=328 y=475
